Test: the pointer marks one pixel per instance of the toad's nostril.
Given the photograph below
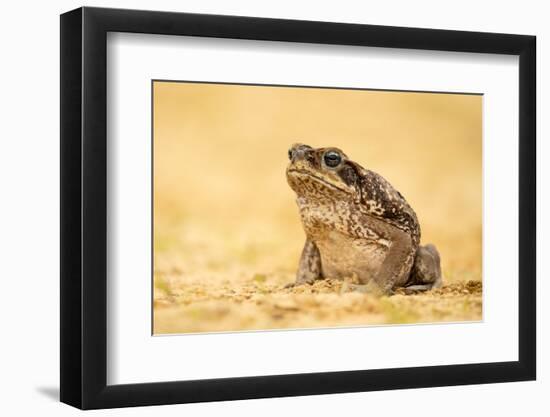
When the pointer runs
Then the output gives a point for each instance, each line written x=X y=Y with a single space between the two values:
x=299 y=153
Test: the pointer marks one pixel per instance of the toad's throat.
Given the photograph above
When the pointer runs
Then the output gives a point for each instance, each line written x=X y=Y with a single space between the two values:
x=319 y=179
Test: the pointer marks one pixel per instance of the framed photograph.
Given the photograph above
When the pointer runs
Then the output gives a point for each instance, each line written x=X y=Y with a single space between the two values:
x=257 y=208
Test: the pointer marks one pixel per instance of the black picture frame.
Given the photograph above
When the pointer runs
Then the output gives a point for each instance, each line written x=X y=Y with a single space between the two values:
x=84 y=207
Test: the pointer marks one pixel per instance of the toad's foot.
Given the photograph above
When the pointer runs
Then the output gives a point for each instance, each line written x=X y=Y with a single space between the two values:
x=414 y=289
x=296 y=284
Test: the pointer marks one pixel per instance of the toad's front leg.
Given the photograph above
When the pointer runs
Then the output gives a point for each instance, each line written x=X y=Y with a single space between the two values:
x=309 y=268
x=396 y=268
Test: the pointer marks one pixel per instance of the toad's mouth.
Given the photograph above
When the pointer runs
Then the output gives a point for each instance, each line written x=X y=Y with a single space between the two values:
x=318 y=179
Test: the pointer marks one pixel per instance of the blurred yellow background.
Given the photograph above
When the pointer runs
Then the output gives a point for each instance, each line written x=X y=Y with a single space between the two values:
x=223 y=212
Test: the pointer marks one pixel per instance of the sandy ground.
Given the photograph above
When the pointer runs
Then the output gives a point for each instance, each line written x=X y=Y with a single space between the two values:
x=262 y=304
x=227 y=235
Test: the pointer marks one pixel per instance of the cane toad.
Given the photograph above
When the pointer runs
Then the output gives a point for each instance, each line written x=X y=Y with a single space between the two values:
x=357 y=225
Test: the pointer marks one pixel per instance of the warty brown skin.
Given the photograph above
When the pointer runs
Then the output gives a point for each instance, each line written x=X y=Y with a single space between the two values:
x=357 y=225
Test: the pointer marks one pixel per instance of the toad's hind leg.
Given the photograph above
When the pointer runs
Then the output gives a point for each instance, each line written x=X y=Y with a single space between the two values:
x=426 y=271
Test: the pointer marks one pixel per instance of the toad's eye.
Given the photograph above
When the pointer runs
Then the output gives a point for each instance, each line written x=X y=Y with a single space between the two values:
x=290 y=154
x=332 y=159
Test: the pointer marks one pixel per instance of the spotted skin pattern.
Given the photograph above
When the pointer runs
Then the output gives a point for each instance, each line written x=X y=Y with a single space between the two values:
x=357 y=225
